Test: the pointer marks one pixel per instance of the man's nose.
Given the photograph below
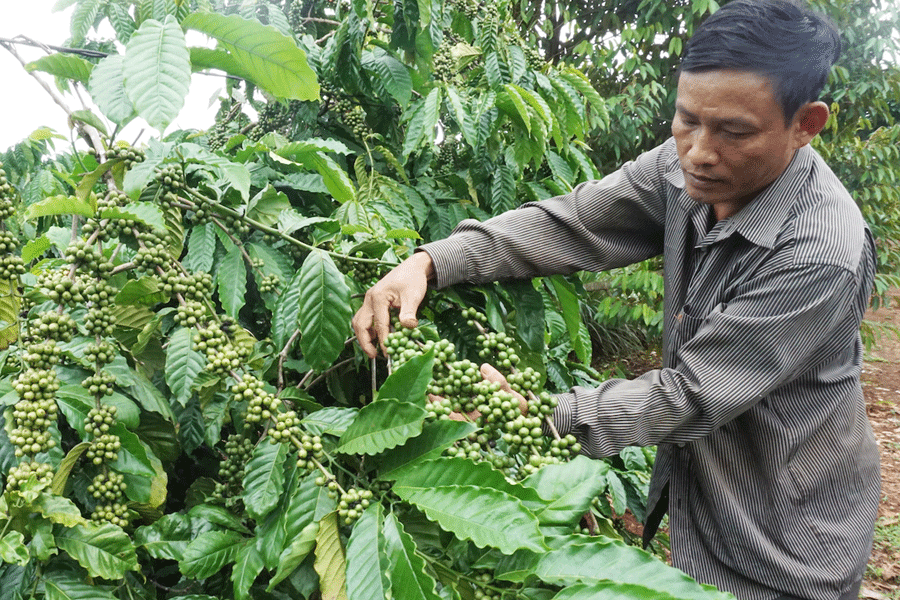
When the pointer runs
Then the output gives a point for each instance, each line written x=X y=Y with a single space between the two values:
x=703 y=150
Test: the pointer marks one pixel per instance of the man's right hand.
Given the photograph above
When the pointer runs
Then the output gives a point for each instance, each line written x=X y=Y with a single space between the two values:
x=403 y=288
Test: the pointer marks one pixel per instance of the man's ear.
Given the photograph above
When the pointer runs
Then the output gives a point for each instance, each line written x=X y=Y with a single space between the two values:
x=809 y=121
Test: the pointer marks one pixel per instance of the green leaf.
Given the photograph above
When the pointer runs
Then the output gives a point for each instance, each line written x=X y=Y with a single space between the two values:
x=274 y=261
x=248 y=566
x=409 y=382
x=570 y=486
x=209 y=553
x=529 y=307
x=65 y=467
x=423 y=120
x=13 y=550
x=503 y=522
x=335 y=178
x=157 y=71
x=381 y=425
x=571 y=312
x=145 y=290
x=614 y=591
x=217 y=515
x=390 y=72
x=167 y=538
x=264 y=479
x=235 y=174
x=296 y=552
x=83 y=18
x=142 y=212
x=286 y=316
x=183 y=364
x=60 y=584
x=367 y=560
x=454 y=471
x=274 y=60
x=59 y=510
x=510 y=101
x=89 y=118
x=231 y=282
x=463 y=118
x=66 y=66
x=324 y=310
x=333 y=420
x=104 y=550
x=9 y=312
x=409 y=574
x=35 y=247
x=201 y=251
x=593 y=560
x=267 y=205
x=59 y=205
x=436 y=437
x=330 y=563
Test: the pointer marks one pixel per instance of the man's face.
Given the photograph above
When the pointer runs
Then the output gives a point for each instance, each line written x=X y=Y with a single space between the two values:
x=731 y=137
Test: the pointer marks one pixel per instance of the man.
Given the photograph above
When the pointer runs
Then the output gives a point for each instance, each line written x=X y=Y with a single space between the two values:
x=765 y=453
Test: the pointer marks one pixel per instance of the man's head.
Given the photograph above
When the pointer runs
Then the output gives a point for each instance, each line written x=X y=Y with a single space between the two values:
x=791 y=45
x=747 y=98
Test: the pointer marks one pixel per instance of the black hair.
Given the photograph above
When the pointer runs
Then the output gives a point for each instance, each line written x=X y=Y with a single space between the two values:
x=790 y=44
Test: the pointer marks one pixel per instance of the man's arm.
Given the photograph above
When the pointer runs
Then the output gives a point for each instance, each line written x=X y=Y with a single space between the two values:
x=601 y=224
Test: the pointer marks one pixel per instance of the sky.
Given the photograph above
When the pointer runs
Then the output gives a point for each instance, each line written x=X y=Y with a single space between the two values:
x=25 y=106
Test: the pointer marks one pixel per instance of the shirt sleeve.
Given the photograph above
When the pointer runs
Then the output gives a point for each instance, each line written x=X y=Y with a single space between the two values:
x=612 y=222
x=777 y=327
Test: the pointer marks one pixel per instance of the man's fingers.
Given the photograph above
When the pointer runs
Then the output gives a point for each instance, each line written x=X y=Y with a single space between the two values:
x=494 y=376
x=489 y=373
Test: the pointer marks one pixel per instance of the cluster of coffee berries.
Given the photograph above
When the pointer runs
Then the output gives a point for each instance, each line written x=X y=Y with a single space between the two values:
x=101 y=383
x=268 y=283
x=355 y=121
x=365 y=271
x=196 y=286
x=274 y=116
x=190 y=313
x=104 y=448
x=285 y=425
x=129 y=155
x=11 y=265
x=238 y=449
x=262 y=404
x=52 y=325
x=514 y=421
x=444 y=64
x=352 y=504
x=19 y=474
x=153 y=253
x=35 y=412
x=310 y=451
x=108 y=488
x=470 y=8
x=222 y=355
x=7 y=196
x=171 y=182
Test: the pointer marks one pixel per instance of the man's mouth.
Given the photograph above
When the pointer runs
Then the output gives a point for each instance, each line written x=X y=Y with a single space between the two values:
x=702 y=181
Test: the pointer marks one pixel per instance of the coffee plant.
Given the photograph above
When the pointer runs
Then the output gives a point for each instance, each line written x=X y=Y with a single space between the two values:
x=184 y=412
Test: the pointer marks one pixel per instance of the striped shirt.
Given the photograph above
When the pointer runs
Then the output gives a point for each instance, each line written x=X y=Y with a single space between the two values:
x=758 y=411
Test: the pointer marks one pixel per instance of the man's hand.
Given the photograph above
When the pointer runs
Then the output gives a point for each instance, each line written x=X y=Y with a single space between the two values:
x=489 y=373
x=403 y=288
x=494 y=376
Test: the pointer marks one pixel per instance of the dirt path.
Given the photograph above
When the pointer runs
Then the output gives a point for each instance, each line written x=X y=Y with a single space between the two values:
x=881 y=378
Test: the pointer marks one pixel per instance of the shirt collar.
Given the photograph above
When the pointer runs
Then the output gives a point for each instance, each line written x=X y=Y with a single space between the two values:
x=760 y=221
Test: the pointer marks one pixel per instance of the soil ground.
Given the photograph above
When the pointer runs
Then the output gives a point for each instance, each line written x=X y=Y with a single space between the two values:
x=881 y=379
